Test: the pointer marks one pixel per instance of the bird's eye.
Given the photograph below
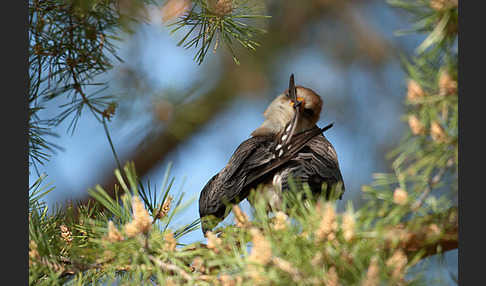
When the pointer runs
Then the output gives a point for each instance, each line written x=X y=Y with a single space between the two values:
x=308 y=112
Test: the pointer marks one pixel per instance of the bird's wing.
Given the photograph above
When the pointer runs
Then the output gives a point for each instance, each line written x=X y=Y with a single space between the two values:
x=297 y=142
x=253 y=160
x=227 y=185
x=250 y=163
x=315 y=164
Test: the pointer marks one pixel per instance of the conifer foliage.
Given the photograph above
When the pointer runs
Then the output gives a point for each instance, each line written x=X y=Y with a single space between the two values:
x=409 y=215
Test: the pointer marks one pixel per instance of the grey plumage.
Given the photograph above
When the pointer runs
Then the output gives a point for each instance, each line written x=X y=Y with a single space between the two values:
x=288 y=143
x=315 y=163
x=229 y=185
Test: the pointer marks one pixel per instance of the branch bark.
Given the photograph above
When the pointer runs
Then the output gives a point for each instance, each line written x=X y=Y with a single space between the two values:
x=433 y=233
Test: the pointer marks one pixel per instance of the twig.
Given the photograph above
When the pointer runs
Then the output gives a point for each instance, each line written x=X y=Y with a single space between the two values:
x=76 y=267
x=111 y=145
x=77 y=86
x=170 y=267
x=418 y=203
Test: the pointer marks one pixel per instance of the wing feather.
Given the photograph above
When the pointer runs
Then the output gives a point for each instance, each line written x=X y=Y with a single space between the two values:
x=227 y=185
x=309 y=156
x=315 y=164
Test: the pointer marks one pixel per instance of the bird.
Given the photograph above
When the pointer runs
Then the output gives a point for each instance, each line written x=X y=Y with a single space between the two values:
x=288 y=144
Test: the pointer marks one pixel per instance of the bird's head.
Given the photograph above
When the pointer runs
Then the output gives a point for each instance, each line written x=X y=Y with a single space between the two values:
x=311 y=105
x=281 y=111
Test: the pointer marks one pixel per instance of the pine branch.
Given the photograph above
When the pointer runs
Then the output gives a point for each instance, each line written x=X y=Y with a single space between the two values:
x=432 y=182
x=170 y=267
x=432 y=234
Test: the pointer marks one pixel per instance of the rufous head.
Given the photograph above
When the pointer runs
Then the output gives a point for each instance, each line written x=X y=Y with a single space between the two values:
x=281 y=111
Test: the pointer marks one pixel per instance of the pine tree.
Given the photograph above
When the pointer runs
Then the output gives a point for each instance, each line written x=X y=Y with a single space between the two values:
x=409 y=215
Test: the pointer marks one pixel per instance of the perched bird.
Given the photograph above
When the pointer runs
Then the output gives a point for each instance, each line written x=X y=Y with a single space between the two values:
x=287 y=144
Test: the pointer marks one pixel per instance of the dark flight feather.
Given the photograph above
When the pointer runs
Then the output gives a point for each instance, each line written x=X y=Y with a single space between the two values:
x=310 y=156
